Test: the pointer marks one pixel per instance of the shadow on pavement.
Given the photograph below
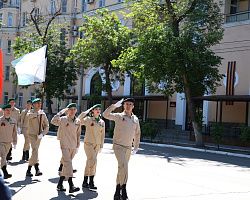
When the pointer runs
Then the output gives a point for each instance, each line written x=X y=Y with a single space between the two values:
x=179 y=156
x=22 y=184
x=16 y=163
x=87 y=194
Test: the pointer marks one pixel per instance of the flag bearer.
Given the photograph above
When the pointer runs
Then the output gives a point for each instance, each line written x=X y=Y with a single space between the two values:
x=93 y=142
x=126 y=134
x=8 y=135
x=38 y=126
x=69 y=133
x=24 y=130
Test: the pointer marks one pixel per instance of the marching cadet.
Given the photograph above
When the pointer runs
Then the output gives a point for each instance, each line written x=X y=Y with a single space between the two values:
x=8 y=135
x=126 y=134
x=93 y=142
x=14 y=113
x=38 y=126
x=68 y=133
x=24 y=130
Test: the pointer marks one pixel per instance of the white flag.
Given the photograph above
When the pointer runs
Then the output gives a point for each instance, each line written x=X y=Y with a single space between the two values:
x=31 y=67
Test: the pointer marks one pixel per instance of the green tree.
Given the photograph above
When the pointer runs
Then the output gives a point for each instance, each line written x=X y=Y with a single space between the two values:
x=103 y=41
x=59 y=73
x=173 y=48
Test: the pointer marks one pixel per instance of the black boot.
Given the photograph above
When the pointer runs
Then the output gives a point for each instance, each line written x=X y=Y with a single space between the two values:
x=72 y=188
x=124 y=192
x=117 y=195
x=91 y=183
x=60 y=168
x=85 y=182
x=28 y=172
x=9 y=157
x=60 y=184
x=5 y=172
x=38 y=173
x=27 y=155
x=24 y=155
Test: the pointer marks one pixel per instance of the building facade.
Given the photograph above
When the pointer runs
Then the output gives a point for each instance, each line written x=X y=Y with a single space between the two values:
x=169 y=112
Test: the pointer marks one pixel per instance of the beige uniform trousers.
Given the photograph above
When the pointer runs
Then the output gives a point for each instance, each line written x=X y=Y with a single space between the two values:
x=122 y=155
x=35 y=143
x=67 y=157
x=91 y=151
x=26 y=145
x=4 y=149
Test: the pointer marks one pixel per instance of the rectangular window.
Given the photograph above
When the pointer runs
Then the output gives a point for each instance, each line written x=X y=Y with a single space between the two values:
x=32 y=96
x=20 y=100
x=84 y=5
x=1 y=19
x=7 y=73
x=10 y=20
x=1 y=4
x=37 y=12
x=9 y=46
x=64 y=6
x=6 y=97
x=52 y=6
x=101 y=3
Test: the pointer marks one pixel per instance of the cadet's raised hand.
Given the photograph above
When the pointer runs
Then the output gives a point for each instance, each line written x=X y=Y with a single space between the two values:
x=118 y=103
x=62 y=111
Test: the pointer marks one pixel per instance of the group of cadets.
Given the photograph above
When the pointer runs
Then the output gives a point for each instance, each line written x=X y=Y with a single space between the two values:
x=33 y=124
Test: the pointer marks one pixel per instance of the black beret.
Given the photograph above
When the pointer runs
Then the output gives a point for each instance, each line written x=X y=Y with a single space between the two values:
x=129 y=100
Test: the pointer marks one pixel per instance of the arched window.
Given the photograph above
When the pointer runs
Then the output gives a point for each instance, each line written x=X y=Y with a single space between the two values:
x=95 y=89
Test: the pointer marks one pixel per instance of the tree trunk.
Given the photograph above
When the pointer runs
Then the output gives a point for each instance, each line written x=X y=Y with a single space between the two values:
x=191 y=112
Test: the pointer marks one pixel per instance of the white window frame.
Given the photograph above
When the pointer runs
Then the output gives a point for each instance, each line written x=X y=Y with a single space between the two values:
x=20 y=100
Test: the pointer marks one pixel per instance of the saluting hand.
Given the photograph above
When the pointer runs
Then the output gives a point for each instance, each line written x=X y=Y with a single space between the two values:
x=118 y=103
x=62 y=111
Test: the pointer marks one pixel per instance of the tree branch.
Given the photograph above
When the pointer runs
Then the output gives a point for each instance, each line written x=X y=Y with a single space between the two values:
x=35 y=22
x=191 y=8
x=57 y=13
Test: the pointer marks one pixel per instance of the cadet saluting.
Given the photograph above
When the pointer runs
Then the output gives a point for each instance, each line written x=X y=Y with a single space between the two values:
x=24 y=130
x=68 y=133
x=38 y=126
x=93 y=142
x=126 y=132
x=8 y=135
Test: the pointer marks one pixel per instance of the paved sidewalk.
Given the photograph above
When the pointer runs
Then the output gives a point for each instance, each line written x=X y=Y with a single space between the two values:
x=156 y=172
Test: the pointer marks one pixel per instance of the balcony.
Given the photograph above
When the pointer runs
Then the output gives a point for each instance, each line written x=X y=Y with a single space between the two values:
x=237 y=17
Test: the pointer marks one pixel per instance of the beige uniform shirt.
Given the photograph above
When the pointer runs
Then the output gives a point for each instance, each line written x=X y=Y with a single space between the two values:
x=95 y=131
x=34 y=123
x=69 y=131
x=127 y=129
x=14 y=113
x=8 y=130
x=24 y=119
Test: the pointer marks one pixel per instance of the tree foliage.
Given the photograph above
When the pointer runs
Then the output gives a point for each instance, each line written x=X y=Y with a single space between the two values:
x=59 y=73
x=173 y=47
x=104 y=38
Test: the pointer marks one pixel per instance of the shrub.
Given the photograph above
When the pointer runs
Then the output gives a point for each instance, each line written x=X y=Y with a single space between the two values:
x=149 y=129
x=217 y=131
x=245 y=134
